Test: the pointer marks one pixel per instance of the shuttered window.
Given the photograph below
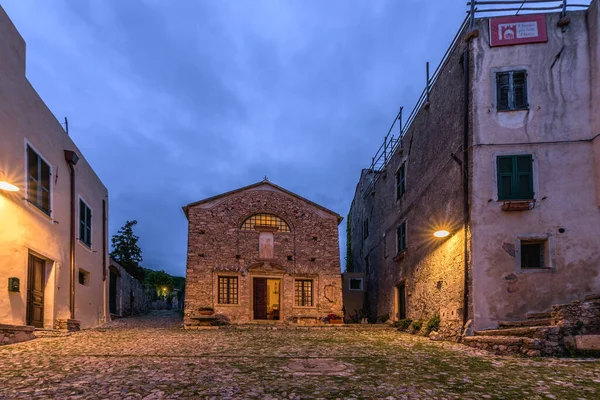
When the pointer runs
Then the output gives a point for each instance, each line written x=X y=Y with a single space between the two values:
x=511 y=89
x=401 y=236
x=515 y=177
x=85 y=223
x=38 y=181
x=401 y=181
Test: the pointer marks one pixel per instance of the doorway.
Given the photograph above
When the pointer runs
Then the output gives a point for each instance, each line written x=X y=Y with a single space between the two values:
x=401 y=301
x=112 y=293
x=267 y=299
x=35 y=291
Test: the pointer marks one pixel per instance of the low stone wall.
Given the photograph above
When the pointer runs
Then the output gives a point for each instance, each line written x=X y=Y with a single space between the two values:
x=577 y=318
x=10 y=334
x=69 y=325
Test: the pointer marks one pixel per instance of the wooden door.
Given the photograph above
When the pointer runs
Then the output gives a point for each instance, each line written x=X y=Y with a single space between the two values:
x=401 y=301
x=35 y=292
x=260 y=298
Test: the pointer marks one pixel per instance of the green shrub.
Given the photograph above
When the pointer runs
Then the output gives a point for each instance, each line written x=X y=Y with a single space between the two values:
x=403 y=324
x=384 y=318
x=433 y=324
x=416 y=325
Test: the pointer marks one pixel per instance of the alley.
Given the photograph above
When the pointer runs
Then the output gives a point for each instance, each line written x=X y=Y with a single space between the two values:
x=152 y=357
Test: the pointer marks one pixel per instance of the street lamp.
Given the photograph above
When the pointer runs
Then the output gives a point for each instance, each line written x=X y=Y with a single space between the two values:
x=8 y=187
x=441 y=234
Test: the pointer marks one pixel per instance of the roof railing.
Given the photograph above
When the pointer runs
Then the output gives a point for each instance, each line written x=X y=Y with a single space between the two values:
x=475 y=8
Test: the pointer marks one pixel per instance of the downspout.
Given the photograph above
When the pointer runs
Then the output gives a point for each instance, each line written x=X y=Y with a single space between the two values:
x=104 y=250
x=72 y=159
x=466 y=215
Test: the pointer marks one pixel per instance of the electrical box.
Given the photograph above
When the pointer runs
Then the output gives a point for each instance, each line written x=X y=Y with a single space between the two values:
x=13 y=284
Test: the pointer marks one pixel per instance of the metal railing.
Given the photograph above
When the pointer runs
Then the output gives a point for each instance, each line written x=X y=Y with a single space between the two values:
x=476 y=8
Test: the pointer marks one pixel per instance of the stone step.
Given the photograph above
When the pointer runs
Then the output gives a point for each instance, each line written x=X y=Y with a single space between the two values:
x=504 y=341
x=528 y=322
x=587 y=343
x=541 y=315
x=525 y=331
x=592 y=297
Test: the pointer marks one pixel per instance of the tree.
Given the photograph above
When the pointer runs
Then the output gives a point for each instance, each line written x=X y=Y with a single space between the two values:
x=162 y=282
x=126 y=250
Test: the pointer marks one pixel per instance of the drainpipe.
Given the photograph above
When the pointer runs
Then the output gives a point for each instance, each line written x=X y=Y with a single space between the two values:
x=466 y=215
x=71 y=157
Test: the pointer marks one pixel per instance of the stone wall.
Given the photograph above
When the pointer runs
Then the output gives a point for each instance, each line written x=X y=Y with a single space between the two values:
x=10 y=334
x=432 y=269
x=131 y=296
x=218 y=247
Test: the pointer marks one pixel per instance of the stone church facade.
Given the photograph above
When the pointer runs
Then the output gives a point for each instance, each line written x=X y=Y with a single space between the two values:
x=262 y=254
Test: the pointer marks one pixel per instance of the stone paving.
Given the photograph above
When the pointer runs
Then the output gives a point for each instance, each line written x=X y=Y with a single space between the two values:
x=152 y=357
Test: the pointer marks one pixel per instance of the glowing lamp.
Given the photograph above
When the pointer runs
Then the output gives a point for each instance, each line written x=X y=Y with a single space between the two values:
x=441 y=234
x=9 y=187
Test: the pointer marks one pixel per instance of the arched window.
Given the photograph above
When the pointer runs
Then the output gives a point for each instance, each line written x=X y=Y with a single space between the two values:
x=265 y=220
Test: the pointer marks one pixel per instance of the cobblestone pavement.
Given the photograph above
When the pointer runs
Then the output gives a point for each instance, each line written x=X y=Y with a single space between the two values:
x=152 y=357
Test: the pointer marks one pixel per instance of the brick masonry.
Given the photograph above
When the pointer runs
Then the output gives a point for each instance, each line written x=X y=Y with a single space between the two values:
x=432 y=269
x=218 y=247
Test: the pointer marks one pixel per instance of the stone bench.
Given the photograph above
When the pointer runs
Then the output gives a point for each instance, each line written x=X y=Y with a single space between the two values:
x=301 y=318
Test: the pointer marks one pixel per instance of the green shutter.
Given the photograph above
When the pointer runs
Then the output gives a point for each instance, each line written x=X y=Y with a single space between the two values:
x=515 y=177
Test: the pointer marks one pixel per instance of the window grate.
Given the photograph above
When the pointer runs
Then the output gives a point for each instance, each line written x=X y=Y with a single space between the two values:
x=228 y=290
x=303 y=293
x=268 y=220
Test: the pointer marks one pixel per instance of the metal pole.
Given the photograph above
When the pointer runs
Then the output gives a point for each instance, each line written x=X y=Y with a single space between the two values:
x=400 y=119
x=472 y=16
x=564 y=9
x=427 y=68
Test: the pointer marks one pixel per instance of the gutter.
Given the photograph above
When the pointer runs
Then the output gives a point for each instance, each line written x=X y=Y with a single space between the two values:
x=72 y=158
x=466 y=212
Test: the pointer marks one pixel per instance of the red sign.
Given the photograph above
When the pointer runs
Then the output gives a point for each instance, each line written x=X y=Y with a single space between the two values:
x=521 y=29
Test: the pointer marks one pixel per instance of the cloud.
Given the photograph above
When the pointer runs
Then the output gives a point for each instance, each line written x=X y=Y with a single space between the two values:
x=175 y=101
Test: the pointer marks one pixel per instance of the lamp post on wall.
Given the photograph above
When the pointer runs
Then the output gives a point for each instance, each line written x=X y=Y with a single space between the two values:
x=6 y=186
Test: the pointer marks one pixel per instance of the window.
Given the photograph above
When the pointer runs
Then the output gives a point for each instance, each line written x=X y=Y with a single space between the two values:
x=85 y=223
x=356 y=284
x=515 y=177
x=228 y=290
x=401 y=181
x=366 y=228
x=303 y=292
x=511 y=88
x=533 y=254
x=38 y=181
x=265 y=220
x=401 y=237
x=84 y=277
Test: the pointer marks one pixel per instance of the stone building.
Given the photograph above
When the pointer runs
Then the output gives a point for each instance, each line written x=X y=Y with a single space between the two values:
x=486 y=207
x=53 y=210
x=262 y=253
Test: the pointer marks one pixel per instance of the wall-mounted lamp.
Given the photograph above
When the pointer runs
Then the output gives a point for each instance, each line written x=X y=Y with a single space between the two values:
x=8 y=187
x=441 y=234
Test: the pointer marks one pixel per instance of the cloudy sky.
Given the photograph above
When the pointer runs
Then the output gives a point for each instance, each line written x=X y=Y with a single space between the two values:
x=175 y=101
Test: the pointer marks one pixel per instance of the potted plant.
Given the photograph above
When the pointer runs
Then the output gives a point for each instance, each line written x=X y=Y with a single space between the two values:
x=206 y=311
x=335 y=319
